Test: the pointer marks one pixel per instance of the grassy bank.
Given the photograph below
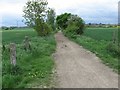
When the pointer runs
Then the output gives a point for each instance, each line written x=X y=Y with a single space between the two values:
x=34 y=67
x=97 y=40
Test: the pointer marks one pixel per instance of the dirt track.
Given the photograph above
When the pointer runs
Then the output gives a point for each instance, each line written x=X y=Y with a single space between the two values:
x=78 y=68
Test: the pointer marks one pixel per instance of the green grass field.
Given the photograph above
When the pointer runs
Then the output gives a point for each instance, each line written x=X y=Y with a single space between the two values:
x=17 y=35
x=100 y=33
x=34 y=67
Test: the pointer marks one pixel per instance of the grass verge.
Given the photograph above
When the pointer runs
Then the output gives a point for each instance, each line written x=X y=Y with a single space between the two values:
x=99 y=47
x=34 y=66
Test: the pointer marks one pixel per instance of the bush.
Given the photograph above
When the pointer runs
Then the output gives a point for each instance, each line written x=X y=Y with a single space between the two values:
x=75 y=26
x=113 y=49
x=62 y=20
x=43 y=29
x=48 y=29
x=70 y=31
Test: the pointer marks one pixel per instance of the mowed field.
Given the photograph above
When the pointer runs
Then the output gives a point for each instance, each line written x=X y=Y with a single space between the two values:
x=17 y=35
x=100 y=33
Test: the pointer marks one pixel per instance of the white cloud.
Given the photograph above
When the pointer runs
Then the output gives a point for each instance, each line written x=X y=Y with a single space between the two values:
x=105 y=11
x=11 y=8
x=87 y=9
x=16 y=6
x=81 y=5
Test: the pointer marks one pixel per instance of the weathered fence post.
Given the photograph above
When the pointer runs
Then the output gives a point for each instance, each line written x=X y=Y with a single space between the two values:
x=13 y=54
x=26 y=43
x=3 y=48
x=114 y=37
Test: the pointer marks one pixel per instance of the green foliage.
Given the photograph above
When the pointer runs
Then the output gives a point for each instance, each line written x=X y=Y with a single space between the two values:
x=75 y=25
x=70 y=31
x=70 y=23
x=34 y=11
x=32 y=66
x=34 y=14
x=62 y=20
x=114 y=49
x=51 y=18
x=43 y=29
x=48 y=29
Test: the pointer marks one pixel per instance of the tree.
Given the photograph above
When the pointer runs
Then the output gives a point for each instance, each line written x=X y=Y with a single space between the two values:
x=34 y=14
x=76 y=22
x=62 y=20
x=51 y=18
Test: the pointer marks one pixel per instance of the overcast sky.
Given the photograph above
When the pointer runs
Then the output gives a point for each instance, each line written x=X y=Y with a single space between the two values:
x=92 y=11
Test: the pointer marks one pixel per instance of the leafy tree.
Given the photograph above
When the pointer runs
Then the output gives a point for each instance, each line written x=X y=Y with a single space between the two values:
x=51 y=18
x=76 y=22
x=34 y=14
x=62 y=20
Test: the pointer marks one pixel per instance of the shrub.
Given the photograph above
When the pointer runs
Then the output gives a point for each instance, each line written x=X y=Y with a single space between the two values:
x=113 y=49
x=48 y=29
x=62 y=20
x=77 y=22
x=43 y=29
x=75 y=26
x=70 y=31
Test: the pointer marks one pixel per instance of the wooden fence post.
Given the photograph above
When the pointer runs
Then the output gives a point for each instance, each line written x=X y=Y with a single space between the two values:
x=114 y=37
x=3 y=48
x=13 y=54
x=26 y=42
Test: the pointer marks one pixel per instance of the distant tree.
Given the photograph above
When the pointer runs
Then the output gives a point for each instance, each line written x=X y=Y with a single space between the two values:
x=89 y=23
x=12 y=27
x=62 y=20
x=4 y=28
x=51 y=18
x=34 y=14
